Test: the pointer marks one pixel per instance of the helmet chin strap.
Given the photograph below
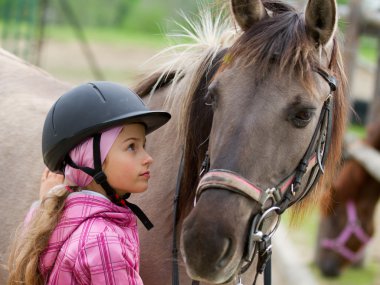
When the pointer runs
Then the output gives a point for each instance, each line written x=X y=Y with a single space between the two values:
x=101 y=179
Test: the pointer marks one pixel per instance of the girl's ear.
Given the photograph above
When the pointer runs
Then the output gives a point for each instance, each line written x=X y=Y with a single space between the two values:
x=248 y=12
x=321 y=20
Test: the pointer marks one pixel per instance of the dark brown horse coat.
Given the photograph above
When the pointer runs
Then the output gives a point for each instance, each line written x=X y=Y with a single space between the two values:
x=354 y=184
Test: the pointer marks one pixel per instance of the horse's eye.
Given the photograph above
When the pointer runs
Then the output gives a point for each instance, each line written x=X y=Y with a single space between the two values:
x=303 y=115
x=302 y=118
x=210 y=98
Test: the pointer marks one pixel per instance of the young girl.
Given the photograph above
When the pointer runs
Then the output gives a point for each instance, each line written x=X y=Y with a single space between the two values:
x=84 y=231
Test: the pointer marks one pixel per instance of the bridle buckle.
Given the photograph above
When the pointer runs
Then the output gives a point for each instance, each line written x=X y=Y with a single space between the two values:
x=271 y=193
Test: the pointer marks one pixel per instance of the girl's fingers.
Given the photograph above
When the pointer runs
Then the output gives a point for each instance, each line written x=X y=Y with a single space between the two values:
x=49 y=180
x=45 y=174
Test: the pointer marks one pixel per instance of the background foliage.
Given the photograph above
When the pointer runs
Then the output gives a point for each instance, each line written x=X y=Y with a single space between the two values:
x=136 y=15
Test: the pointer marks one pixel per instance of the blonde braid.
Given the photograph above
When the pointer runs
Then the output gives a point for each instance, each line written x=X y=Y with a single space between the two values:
x=31 y=239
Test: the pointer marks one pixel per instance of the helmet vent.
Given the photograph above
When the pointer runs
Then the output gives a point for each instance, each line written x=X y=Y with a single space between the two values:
x=52 y=117
x=98 y=92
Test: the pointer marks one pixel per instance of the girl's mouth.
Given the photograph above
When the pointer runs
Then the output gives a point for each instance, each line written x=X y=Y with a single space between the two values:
x=146 y=174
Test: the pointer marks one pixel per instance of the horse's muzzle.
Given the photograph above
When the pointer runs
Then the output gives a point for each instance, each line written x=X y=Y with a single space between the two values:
x=213 y=236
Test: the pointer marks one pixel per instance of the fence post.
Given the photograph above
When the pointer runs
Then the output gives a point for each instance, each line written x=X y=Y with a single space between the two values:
x=351 y=39
x=375 y=106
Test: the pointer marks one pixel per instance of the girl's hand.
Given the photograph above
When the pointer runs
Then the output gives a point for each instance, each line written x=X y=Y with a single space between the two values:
x=48 y=181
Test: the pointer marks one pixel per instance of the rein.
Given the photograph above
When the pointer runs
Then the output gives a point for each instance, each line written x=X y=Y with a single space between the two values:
x=352 y=228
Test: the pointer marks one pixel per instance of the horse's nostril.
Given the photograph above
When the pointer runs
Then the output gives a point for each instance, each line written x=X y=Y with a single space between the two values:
x=225 y=253
x=330 y=268
x=216 y=251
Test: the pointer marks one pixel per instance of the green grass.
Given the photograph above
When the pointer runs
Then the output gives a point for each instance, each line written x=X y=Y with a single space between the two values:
x=65 y=33
x=107 y=35
x=368 y=49
x=351 y=276
x=345 y=2
x=357 y=130
x=304 y=233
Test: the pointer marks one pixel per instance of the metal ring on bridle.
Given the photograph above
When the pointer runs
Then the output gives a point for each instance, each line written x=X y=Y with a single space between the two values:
x=263 y=216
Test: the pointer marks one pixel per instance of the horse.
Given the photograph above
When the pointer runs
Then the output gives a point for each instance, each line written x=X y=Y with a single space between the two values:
x=347 y=219
x=26 y=93
x=243 y=111
x=255 y=99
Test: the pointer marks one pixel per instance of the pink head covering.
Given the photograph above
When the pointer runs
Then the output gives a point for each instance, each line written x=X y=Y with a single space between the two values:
x=82 y=155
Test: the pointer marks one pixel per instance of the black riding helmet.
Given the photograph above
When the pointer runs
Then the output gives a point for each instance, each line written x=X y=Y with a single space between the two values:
x=86 y=111
x=89 y=109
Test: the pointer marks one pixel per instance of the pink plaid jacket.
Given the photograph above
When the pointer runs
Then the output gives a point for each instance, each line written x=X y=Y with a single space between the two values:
x=95 y=242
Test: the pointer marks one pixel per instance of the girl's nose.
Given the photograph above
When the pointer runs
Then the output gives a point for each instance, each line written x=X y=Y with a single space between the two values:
x=148 y=159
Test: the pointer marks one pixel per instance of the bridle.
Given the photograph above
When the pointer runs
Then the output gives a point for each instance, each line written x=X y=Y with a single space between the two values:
x=282 y=195
x=279 y=197
x=352 y=228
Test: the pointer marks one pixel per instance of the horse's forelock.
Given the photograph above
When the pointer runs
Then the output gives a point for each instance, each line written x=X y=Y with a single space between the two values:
x=279 y=41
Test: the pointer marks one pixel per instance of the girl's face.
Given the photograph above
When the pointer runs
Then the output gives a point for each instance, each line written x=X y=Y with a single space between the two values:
x=127 y=163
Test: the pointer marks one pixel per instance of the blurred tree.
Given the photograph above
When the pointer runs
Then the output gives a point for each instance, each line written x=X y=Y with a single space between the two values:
x=95 y=13
x=149 y=16
x=145 y=16
x=18 y=26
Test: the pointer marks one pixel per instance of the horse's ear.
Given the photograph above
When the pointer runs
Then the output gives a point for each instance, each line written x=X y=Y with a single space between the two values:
x=321 y=20
x=248 y=12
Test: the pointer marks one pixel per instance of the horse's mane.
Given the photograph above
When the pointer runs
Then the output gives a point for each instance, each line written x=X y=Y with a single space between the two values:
x=200 y=39
x=182 y=69
x=280 y=40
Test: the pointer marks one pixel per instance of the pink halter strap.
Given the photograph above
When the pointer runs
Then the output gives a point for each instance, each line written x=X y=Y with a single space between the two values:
x=352 y=228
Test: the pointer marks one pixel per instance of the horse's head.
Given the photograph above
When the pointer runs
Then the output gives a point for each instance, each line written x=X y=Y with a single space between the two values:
x=347 y=221
x=273 y=112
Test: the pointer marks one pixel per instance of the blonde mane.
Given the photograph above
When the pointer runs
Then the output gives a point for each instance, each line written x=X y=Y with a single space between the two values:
x=193 y=47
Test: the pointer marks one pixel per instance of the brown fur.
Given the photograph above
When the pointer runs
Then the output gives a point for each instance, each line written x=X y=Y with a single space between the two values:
x=355 y=184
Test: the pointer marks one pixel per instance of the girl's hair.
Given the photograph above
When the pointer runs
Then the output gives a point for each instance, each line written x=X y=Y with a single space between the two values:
x=31 y=239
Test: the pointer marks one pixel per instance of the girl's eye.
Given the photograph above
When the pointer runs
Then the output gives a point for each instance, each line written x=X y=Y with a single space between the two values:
x=302 y=118
x=131 y=147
